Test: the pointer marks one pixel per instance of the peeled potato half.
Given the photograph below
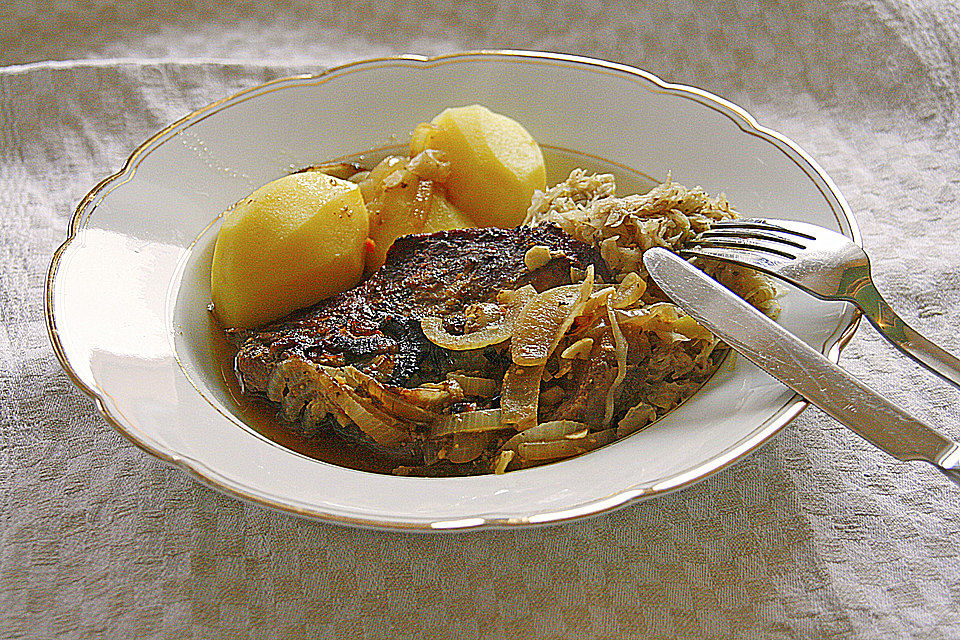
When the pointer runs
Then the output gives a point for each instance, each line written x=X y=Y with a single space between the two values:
x=401 y=203
x=289 y=244
x=495 y=164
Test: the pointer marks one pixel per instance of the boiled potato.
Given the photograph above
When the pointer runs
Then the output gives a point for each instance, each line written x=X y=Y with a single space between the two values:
x=495 y=165
x=400 y=202
x=291 y=243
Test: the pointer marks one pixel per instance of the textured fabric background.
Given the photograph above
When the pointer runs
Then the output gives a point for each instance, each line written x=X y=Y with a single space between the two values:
x=814 y=536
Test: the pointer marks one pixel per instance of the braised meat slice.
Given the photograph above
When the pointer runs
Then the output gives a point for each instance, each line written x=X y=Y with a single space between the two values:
x=375 y=327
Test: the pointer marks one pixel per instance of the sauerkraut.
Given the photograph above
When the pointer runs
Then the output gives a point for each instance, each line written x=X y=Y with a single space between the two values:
x=615 y=356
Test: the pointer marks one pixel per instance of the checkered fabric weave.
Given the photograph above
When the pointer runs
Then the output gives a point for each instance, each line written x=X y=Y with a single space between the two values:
x=816 y=535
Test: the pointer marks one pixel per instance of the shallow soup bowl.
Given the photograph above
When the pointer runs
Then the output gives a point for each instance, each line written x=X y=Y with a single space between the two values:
x=128 y=292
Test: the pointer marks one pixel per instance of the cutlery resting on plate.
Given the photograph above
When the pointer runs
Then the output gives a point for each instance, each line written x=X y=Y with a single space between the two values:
x=800 y=367
x=825 y=264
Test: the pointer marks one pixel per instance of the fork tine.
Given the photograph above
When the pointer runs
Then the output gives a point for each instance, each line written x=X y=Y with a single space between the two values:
x=786 y=227
x=761 y=243
x=749 y=241
x=767 y=238
x=745 y=256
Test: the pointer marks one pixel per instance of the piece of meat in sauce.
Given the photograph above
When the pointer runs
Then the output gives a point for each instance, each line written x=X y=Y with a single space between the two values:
x=375 y=327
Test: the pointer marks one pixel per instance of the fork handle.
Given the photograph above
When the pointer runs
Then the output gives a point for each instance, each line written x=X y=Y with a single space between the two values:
x=904 y=337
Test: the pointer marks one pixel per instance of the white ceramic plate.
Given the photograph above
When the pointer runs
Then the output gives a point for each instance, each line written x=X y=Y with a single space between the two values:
x=127 y=292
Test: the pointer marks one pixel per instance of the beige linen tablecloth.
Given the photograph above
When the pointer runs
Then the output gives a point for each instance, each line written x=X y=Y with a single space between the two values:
x=816 y=535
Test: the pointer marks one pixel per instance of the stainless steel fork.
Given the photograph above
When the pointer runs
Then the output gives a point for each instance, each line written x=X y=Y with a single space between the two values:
x=825 y=264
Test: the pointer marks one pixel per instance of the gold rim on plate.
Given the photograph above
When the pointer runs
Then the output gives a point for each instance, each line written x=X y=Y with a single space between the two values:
x=782 y=416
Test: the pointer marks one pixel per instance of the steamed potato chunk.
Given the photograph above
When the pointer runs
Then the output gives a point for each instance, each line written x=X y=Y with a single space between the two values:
x=291 y=243
x=495 y=165
x=402 y=202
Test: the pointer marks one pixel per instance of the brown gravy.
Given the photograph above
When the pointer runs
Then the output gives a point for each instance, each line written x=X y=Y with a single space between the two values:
x=327 y=446
x=262 y=416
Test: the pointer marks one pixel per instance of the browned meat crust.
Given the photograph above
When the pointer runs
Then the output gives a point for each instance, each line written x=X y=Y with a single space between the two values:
x=376 y=327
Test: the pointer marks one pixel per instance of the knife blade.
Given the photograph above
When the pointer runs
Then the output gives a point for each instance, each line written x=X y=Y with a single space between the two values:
x=799 y=366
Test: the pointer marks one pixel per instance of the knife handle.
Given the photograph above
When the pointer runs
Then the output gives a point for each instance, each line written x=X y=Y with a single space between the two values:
x=855 y=405
x=834 y=390
x=801 y=367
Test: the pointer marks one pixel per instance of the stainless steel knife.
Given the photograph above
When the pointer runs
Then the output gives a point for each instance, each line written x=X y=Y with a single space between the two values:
x=799 y=366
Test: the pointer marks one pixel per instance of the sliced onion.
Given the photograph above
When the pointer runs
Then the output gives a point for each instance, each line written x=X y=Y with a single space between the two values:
x=545 y=319
x=598 y=299
x=516 y=300
x=293 y=384
x=385 y=430
x=397 y=400
x=398 y=178
x=539 y=323
x=637 y=418
x=657 y=317
x=430 y=164
x=580 y=349
x=687 y=326
x=489 y=335
x=466 y=422
x=567 y=447
x=473 y=386
x=629 y=291
x=664 y=318
x=432 y=395
x=545 y=432
x=521 y=384
x=373 y=185
x=503 y=459
x=586 y=290
x=621 y=346
x=537 y=256
x=519 y=396
x=493 y=333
